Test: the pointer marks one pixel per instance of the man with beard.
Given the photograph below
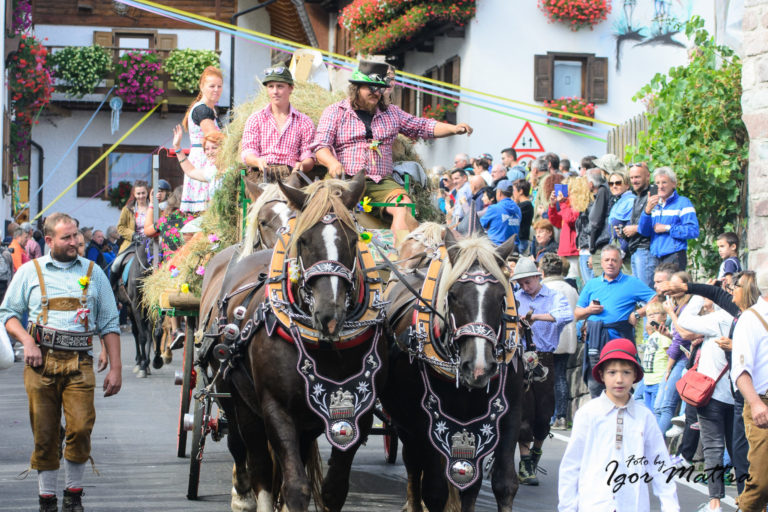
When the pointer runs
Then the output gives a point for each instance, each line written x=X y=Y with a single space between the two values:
x=357 y=133
x=69 y=302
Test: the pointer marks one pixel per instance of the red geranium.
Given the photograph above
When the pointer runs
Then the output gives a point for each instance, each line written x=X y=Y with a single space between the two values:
x=576 y=13
x=574 y=105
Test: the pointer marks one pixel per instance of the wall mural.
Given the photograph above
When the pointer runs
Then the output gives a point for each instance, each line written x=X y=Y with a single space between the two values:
x=650 y=22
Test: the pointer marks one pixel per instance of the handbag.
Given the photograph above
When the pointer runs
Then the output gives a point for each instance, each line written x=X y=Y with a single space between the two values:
x=695 y=388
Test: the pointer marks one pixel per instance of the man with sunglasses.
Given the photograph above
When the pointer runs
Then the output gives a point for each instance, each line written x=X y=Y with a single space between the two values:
x=357 y=133
x=278 y=134
x=639 y=246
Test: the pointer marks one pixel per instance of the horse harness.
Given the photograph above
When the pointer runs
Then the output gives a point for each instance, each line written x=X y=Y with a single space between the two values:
x=463 y=444
x=60 y=339
x=338 y=404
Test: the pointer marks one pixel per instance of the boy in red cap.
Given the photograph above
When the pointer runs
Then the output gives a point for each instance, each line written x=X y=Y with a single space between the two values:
x=616 y=447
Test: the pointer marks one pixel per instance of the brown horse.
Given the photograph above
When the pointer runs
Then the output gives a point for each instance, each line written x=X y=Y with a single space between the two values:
x=316 y=295
x=454 y=382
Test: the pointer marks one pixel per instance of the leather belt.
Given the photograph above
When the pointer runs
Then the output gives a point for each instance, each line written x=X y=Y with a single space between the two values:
x=58 y=339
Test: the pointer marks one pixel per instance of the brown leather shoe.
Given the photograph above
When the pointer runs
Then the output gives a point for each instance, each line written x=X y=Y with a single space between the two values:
x=72 y=501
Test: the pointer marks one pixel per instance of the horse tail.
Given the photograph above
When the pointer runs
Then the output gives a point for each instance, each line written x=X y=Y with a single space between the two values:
x=454 y=500
x=314 y=469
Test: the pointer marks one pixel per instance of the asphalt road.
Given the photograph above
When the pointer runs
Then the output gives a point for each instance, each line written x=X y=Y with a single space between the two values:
x=134 y=448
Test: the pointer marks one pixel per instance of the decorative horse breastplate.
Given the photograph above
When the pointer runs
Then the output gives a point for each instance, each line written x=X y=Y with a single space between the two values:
x=338 y=404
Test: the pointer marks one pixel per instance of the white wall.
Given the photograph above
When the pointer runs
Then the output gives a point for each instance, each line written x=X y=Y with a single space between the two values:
x=56 y=134
x=251 y=58
x=497 y=57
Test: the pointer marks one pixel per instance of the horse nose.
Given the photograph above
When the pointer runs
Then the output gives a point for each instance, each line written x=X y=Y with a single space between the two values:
x=326 y=321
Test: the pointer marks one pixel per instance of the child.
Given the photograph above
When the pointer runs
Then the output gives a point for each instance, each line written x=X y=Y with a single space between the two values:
x=728 y=248
x=616 y=445
x=655 y=357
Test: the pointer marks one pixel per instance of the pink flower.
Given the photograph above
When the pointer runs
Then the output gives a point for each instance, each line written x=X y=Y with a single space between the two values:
x=200 y=270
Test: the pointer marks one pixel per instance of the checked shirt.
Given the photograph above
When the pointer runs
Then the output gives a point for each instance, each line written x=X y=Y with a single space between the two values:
x=263 y=139
x=341 y=131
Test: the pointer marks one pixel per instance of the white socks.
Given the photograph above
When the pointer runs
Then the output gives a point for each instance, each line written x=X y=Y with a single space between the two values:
x=74 y=472
x=46 y=482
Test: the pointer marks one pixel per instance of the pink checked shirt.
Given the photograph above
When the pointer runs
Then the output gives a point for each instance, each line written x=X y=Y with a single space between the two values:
x=263 y=139
x=343 y=133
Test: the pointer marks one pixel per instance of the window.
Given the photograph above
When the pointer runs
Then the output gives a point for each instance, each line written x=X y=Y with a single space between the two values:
x=414 y=102
x=125 y=163
x=570 y=74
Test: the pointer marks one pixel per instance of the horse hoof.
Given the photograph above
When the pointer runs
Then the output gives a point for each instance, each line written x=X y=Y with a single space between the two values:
x=167 y=357
x=157 y=362
x=243 y=503
x=141 y=374
x=136 y=369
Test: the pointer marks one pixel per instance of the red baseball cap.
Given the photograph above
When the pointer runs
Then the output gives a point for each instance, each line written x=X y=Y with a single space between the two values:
x=620 y=348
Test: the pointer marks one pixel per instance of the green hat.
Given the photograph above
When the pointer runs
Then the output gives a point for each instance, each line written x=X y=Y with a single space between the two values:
x=370 y=73
x=277 y=74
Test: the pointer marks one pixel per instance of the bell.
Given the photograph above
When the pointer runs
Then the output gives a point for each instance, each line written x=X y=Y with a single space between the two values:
x=221 y=352
x=342 y=432
x=231 y=332
x=239 y=312
x=462 y=472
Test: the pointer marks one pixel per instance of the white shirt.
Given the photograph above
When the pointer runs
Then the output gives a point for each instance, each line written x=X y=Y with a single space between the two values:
x=750 y=348
x=712 y=360
x=589 y=476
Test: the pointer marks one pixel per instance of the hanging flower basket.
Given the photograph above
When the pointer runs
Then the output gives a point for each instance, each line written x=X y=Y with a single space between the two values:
x=377 y=25
x=31 y=89
x=576 y=14
x=136 y=74
x=186 y=66
x=21 y=20
x=80 y=69
x=567 y=106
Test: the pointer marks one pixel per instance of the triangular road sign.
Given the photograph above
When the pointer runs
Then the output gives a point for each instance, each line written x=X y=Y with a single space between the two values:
x=527 y=141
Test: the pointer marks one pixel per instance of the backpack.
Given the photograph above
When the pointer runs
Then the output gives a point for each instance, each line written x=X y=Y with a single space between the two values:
x=6 y=267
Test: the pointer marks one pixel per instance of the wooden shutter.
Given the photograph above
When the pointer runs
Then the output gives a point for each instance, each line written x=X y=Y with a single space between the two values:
x=166 y=42
x=97 y=178
x=170 y=170
x=542 y=77
x=597 y=79
x=103 y=39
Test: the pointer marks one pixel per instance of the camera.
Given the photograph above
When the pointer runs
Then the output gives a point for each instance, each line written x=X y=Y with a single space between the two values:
x=653 y=190
x=655 y=324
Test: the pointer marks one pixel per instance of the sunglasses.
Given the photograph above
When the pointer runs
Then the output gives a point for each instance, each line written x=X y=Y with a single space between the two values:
x=279 y=70
x=615 y=183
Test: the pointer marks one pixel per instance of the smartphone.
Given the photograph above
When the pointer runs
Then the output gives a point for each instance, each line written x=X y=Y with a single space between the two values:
x=561 y=188
x=655 y=324
x=653 y=190
x=596 y=302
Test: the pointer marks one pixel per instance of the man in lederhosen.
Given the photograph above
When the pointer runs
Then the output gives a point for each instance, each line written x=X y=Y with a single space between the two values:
x=69 y=302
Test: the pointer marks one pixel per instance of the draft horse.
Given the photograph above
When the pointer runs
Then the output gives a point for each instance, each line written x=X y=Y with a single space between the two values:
x=455 y=377
x=135 y=267
x=300 y=338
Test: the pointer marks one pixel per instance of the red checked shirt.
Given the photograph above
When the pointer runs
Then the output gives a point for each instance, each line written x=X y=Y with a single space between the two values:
x=341 y=131
x=263 y=139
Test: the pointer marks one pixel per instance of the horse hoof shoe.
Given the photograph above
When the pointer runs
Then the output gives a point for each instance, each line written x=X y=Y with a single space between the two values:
x=157 y=363
x=142 y=374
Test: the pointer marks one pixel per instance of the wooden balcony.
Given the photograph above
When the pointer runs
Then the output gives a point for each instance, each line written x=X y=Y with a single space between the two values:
x=178 y=101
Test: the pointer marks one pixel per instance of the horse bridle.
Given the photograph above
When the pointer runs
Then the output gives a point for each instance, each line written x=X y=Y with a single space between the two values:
x=259 y=239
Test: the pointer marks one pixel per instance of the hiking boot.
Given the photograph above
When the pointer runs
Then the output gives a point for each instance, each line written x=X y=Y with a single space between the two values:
x=49 y=503
x=526 y=472
x=535 y=458
x=72 y=500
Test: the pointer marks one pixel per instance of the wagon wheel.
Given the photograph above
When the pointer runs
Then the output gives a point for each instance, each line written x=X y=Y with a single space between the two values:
x=188 y=384
x=390 y=447
x=198 y=443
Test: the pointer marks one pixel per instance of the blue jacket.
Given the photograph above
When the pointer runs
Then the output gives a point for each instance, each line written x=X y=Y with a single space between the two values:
x=502 y=220
x=679 y=213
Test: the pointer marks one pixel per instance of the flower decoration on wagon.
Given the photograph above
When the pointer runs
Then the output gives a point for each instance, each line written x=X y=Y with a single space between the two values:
x=366 y=236
x=365 y=205
x=200 y=270
x=294 y=272
x=185 y=288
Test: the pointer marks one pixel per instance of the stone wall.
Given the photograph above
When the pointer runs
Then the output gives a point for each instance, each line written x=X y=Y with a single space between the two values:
x=755 y=105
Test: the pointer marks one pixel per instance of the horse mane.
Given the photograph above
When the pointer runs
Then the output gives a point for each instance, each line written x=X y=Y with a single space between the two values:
x=323 y=197
x=470 y=250
x=428 y=234
x=269 y=193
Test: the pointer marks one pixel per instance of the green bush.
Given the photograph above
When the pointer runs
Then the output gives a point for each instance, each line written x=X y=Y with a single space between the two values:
x=186 y=66
x=80 y=69
x=695 y=128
